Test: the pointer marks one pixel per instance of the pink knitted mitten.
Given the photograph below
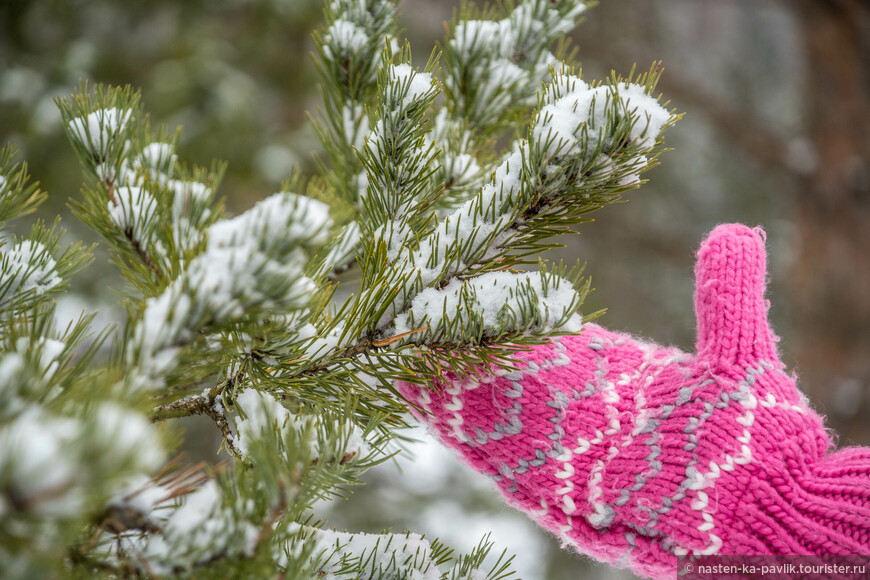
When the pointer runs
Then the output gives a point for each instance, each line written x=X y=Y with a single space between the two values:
x=635 y=453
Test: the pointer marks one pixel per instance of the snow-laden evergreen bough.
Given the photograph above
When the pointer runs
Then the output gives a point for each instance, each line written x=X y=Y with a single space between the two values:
x=236 y=318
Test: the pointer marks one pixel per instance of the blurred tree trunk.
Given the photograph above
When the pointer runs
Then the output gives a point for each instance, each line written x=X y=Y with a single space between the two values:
x=831 y=283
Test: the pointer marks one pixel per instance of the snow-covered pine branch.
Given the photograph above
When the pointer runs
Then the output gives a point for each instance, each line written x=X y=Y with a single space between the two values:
x=343 y=556
x=63 y=443
x=17 y=196
x=34 y=269
x=253 y=266
x=150 y=208
x=349 y=56
x=255 y=321
x=492 y=72
x=490 y=306
x=493 y=68
x=584 y=146
x=398 y=162
x=173 y=527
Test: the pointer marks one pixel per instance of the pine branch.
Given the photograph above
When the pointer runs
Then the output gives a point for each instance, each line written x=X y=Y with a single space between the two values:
x=414 y=191
x=18 y=197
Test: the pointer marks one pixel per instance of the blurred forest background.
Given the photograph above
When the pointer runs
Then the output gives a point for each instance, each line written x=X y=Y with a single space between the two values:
x=776 y=133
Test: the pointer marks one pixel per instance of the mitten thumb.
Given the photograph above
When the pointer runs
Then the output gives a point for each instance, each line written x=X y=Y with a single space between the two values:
x=730 y=279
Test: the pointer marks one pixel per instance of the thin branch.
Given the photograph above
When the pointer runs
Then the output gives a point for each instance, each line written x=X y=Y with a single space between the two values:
x=143 y=255
x=193 y=405
x=217 y=413
x=398 y=337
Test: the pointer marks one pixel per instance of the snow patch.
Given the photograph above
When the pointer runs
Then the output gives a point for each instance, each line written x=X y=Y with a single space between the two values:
x=560 y=124
x=134 y=212
x=345 y=38
x=496 y=300
x=159 y=157
x=97 y=131
x=415 y=84
x=27 y=266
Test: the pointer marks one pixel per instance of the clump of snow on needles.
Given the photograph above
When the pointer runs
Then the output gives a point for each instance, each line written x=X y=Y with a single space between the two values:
x=344 y=37
x=560 y=124
x=27 y=266
x=96 y=131
x=418 y=84
x=200 y=527
x=496 y=298
x=134 y=211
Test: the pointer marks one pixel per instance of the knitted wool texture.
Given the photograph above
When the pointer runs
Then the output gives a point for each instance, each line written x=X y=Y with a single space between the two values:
x=635 y=454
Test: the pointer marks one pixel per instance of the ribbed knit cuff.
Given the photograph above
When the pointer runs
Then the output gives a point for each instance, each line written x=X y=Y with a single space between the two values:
x=820 y=508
